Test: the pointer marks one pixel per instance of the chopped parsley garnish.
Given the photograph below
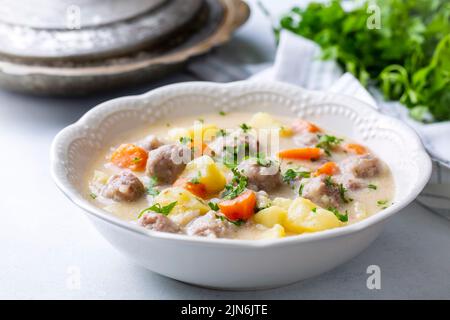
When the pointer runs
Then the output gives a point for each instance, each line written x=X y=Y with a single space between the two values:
x=340 y=216
x=237 y=223
x=342 y=191
x=221 y=133
x=314 y=210
x=213 y=206
x=93 y=195
x=136 y=160
x=150 y=187
x=201 y=120
x=291 y=174
x=327 y=143
x=245 y=127
x=222 y=113
x=300 y=189
x=236 y=186
x=382 y=204
x=164 y=210
x=339 y=187
x=372 y=186
x=185 y=140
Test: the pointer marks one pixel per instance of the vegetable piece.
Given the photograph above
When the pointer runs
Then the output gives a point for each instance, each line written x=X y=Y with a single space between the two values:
x=263 y=120
x=130 y=156
x=290 y=175
x=240 y=208
x=186 y=201
x=237 y=185
x=198 y=189
x=301 y=153
x=271 y=216
x=328 y=143
x=281 y=202
x=277 y=231
x=158 y=208
x=305 y=216
x=356 y=148
x=207 y=173
x=300 y=125
x=329 y=168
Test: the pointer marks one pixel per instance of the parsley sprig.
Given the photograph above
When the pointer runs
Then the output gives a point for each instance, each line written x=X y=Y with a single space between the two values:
x=343 y=217
x=158 y=208
x=236 y=186
x=292 y=174
x=327 y=143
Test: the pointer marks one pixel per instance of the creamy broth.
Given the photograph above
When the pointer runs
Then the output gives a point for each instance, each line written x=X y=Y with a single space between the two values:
x=348 y=197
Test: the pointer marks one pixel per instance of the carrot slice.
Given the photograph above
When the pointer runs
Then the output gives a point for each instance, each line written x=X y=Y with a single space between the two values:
x=198 y=189
x=240 y=208
x=130 y=156
x=356 y=148
x=329 y=169
x=301 y=153
x=300 y=125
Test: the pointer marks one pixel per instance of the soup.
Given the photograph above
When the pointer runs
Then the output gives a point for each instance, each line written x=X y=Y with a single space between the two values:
x=239 y=175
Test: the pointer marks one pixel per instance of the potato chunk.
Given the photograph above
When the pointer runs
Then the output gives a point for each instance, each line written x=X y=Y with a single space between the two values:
x=284 y=203
x=205 y=171
x=263 y=120
x=277 y=231
x=305 y=216
x=271 y=216
x=186 y=201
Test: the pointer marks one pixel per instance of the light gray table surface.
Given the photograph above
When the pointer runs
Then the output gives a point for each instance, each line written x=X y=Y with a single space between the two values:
x=45 y=240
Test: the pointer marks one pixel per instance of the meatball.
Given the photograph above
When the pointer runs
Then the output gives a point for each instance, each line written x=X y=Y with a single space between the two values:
x=209 y=226
x=167 y=162
x=261 y=177
x=365 y=166
x=318 y=191
x=150 y=143
x=124 y=187
x=237 y=144
x=158 y=222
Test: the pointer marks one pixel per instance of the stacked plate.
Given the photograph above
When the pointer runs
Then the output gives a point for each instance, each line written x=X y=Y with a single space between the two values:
x=69 y=47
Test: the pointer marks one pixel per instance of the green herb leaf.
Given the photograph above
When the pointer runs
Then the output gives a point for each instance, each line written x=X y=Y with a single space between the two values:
x=372 y=186
x=237 y=223
x=328 y=143
x=185 y=140
x=164 y=210
x=291 y=174
x=213 y=206
x=245 y=127
x=222 y=113
x=93 y=195
x=237 y=185
x=340 y=216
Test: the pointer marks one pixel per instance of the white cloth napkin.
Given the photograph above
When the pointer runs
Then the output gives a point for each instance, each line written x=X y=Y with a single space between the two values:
x=298 y=62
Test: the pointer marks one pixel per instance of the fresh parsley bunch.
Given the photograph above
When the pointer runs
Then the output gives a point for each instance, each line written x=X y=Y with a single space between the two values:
x=408 y=57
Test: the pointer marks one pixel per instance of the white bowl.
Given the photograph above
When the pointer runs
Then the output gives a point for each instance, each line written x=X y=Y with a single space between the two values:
x=227 y=263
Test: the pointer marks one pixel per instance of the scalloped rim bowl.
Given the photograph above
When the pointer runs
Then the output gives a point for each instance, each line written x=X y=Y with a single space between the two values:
x=228 y=263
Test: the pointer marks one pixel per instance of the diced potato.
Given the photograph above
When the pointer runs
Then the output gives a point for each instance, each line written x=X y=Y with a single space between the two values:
x=186 y=201
x=284 y=203
x=305 y=216
x=207 y=172
x=100 y=177
x=271 y=216
x=277 y=231
x=175 y=134
x=204 y=131
x=263 y=120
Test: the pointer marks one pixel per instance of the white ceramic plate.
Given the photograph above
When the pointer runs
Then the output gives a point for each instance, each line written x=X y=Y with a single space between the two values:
x=228 y=263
